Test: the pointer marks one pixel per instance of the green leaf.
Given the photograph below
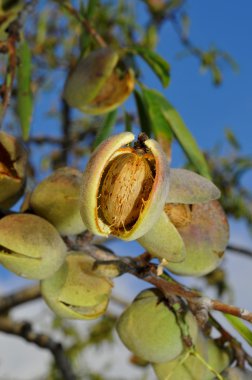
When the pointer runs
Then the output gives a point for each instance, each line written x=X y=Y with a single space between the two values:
x=92 y=4
x=166 y=120
x=153 y=103
x=186 y=140
x=158 y=64
x=24 y=94
x=232 y=139
x=127 y=122
x=106 y=128
x=142 y=113
x=240 y=326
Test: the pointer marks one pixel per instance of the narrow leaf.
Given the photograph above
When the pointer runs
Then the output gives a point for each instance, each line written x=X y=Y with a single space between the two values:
x=92 y=4
x=106 y=128
x=166 y=121
x=158 y=64
x=142 y=113
x=127 y=122
x=24 y=95
x=154 y=104
x=186 y=140
x=240 y=326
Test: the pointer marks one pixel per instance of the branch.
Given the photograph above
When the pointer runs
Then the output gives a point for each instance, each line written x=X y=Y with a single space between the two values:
x=18 y=298
x=240 y=353
x=236 y=248
x=24 y=330
x=141 y=268
x=89 y=28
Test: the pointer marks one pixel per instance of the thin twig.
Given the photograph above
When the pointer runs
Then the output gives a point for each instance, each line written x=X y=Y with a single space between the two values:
x=20 y=297
x=240 y=353
x=141 y=268
x=66 y=127
x=24 y=330
x=238 y=249
x=89 y=28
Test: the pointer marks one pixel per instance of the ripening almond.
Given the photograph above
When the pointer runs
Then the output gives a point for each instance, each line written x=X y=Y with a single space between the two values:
x=99 y=83
x=192 y=219
x=76 y=291
x=124 y=187
x=30 y=246
x=148 y=328
x=13 y=164
x=57 y=199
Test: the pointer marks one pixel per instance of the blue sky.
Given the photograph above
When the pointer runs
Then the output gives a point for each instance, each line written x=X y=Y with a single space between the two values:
x=207 y=110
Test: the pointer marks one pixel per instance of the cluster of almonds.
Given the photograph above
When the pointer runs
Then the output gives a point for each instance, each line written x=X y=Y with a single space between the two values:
x=149 y=329
x=131 y=193
x=127 y=191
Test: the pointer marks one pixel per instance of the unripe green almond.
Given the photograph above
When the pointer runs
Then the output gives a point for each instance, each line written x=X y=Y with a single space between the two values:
x=13 y=163
x=30 y=246
x=76 y=291
x=56 y=199
x=97 y=85
x=205 y=232
x=149 y=328
x=192 y=368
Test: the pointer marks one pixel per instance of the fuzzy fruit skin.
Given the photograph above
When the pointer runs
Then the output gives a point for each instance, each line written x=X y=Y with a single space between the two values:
x=149 y=329
x=187 y=187
x=30 y=246
x=192 y=368
x=205 y=239
x=178 y=232
x=13 y=164
x=76 y=291
x=56 y=199
x=94 y=86
x=99 y=161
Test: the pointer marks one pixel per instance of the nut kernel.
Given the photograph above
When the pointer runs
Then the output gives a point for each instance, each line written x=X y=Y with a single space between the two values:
x=179 y=214
x=150 y=190
x=125 y=188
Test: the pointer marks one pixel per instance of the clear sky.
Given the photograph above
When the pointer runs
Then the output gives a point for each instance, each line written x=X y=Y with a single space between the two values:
x=207 y=110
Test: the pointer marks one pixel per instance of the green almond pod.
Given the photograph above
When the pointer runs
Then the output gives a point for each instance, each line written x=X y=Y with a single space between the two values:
x=13 y=165
x=57 y=199
x=124 y=188
x=149 y=328
x=205 y=233
x=30 y=246
x=192 y=368
x=164 y=241
x=188 y=187
x=98 y=83
x=76 y=291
